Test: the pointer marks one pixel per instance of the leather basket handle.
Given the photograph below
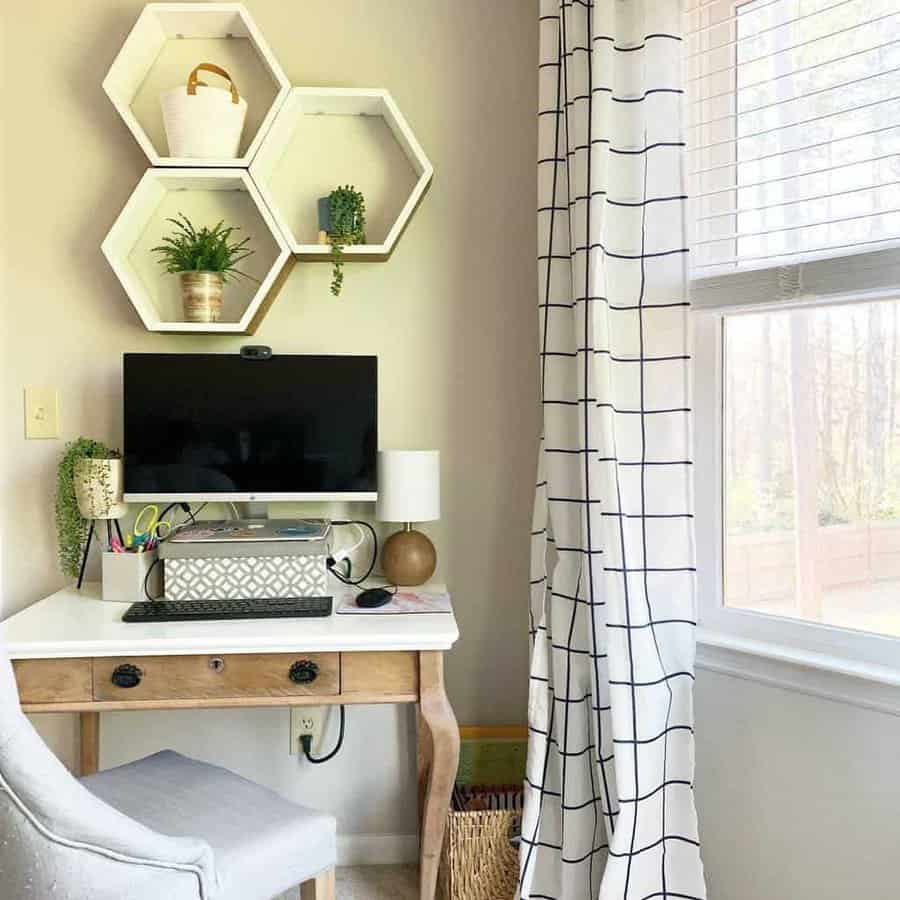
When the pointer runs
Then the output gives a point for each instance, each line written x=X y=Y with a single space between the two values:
x=193 y=79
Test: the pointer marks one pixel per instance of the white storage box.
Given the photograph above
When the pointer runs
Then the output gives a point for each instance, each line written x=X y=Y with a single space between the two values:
x=124 y=575
x=251 y=570
x=203 y=122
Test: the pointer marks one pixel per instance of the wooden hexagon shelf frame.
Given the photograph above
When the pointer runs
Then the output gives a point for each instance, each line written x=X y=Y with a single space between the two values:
x=299 y=144
x=205 y=196
x=324 y=137
x=166 y=42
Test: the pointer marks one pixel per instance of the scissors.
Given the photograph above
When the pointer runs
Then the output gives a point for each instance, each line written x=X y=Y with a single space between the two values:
x=149 y=532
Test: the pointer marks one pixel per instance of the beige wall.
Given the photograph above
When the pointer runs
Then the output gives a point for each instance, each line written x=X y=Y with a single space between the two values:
x=451 y=317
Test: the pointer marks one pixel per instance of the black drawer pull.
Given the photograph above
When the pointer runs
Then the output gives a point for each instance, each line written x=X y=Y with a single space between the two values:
x=304 y=671
x=127 y=676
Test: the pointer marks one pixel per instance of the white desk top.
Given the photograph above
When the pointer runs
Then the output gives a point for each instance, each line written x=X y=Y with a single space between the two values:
x=74 y=623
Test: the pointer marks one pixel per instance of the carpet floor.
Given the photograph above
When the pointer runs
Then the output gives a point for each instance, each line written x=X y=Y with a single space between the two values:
x=374 y=883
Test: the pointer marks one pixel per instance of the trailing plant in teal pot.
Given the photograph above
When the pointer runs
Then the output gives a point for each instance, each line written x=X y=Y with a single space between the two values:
x=205 y=259
x=88 y=486
x=342 y=216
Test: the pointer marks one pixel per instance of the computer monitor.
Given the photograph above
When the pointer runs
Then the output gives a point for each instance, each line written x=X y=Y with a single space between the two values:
x=222 y=427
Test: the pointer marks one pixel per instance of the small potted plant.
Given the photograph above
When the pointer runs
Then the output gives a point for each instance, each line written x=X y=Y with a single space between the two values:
x=88 y=486
x=345 y=223
x=204 y=258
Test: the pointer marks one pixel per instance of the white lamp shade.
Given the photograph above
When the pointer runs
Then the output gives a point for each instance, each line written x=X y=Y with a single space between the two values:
x=409 y=486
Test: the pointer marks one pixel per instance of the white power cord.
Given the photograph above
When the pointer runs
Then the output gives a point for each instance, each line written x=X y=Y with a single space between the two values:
x=344 y=553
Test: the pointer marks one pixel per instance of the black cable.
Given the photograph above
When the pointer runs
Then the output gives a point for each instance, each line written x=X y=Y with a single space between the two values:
x=186 y=507
x=340 y=577
x=358 y=581
x=147 y=580
x=306 y=743
x=162 y=515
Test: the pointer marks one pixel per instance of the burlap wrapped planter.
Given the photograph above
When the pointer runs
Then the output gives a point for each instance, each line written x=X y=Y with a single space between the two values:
x=201 y=293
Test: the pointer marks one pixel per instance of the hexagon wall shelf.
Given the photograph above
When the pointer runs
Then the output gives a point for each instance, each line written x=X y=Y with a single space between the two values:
x=205 y=196
x=167 y=41
x=325 y=137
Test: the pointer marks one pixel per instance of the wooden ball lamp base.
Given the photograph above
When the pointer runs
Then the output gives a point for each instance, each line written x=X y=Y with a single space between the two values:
x=408 y=558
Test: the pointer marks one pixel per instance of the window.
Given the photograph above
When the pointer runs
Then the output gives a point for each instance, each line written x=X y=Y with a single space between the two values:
x=794 y=174
x=812 y=480
x=794 y=127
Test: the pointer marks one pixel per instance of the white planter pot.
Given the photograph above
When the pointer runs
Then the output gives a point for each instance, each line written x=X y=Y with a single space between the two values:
x=98 y=488
x=203 y=122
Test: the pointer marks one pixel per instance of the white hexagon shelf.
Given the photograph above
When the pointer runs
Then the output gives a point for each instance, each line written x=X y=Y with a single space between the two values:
x=167 y=41
x=325 y=137
x=205 y=196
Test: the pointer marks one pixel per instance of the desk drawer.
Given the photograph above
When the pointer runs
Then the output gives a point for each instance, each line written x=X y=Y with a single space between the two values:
x=216 y=677
x=380 y=672
x=53 y=680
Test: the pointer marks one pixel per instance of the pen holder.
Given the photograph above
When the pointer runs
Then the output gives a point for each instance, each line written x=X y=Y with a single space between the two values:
x=124 y=574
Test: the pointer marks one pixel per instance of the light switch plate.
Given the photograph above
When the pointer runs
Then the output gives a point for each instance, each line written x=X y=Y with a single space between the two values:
x=41 y=413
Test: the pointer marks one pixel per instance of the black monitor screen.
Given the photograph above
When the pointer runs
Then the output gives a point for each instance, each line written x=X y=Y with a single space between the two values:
x=217 y=424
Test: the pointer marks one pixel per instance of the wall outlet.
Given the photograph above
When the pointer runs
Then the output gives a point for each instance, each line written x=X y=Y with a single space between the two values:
x=41 y=413
x=307 y=720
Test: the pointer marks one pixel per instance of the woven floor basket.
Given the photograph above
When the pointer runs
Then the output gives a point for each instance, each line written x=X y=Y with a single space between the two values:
x=478 y=862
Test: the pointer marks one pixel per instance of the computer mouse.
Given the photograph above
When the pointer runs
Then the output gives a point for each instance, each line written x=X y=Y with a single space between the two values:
x=372 y=598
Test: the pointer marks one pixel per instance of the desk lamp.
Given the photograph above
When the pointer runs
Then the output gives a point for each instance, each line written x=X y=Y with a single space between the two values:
x=409 y=490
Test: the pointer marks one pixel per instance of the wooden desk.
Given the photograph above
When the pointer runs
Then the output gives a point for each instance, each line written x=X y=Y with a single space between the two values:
x=66 y=647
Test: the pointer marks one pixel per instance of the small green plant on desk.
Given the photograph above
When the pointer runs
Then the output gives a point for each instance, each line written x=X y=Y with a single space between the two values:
x=85 y=489
x=347 y=225
x=204 y=258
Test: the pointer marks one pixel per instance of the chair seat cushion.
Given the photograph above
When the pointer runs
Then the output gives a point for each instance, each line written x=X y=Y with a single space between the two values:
x=263 y=844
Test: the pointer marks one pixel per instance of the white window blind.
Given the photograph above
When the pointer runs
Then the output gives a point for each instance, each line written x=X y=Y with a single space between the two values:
x=793 y=130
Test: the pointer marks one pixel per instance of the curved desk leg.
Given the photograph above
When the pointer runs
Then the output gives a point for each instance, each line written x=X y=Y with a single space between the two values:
x=90 y=743
x=423 y=759
x=441 y=737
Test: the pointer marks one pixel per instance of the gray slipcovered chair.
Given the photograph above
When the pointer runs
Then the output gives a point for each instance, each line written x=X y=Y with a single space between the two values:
x=163 y=828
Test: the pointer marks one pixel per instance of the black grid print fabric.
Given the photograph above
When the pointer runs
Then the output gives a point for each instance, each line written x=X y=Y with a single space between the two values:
x=609 y=796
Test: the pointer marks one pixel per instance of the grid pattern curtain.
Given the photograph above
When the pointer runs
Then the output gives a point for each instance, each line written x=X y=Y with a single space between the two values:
x=609 y=795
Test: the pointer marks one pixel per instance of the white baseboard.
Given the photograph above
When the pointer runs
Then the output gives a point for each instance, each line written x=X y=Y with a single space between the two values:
x=376 y=849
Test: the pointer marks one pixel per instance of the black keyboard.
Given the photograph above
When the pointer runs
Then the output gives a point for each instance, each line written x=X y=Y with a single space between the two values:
x=195 y=610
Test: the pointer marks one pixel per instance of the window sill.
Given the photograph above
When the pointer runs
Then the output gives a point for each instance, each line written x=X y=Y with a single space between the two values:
x=817 y=674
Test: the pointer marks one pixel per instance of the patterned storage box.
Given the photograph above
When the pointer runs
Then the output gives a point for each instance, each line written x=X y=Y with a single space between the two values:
x=259 y=570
